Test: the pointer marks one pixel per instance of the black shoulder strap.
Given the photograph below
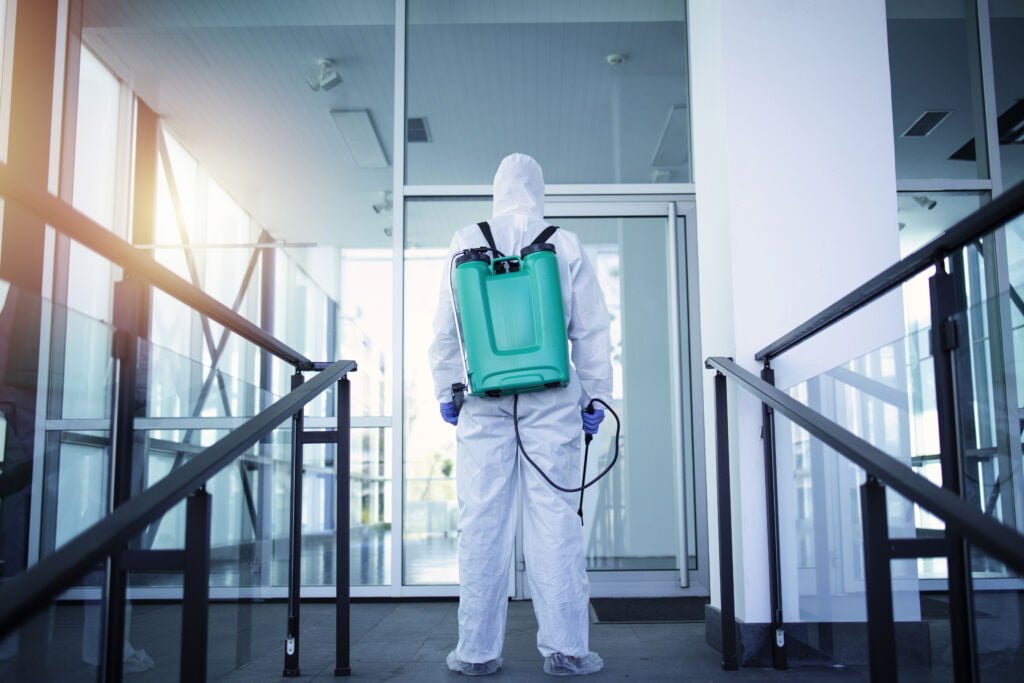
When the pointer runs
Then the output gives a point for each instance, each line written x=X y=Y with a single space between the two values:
x=485 y=228
x=545 y=235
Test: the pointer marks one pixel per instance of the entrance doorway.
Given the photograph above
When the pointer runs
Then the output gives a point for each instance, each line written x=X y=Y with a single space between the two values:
x=641 y=529
x=644 y=523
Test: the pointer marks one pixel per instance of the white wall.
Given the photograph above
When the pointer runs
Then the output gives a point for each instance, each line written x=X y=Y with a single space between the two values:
x=796 y=204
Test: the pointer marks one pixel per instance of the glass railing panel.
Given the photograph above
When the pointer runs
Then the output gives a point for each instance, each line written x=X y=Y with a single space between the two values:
x=63 y=642
x=251 y=512
x=54 y=463
x=998 y=620
x=888 y=397
x=152 y=644
x=822 y=551
x=177 y=386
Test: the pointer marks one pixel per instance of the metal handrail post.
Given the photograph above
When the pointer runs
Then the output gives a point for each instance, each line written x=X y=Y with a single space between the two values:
x=730 y=646
x=878 y=581
x=342 y=467
x=195 y=622
x=291 y=645
x=129 y=295
x=772 y=517
x=947 y=301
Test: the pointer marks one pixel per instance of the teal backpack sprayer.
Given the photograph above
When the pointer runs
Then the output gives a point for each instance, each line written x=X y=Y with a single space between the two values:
x=511 y=328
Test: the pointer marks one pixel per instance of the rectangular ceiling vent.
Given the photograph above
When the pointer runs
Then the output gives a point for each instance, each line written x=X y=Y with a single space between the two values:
x=417 y=130
x=925 y=124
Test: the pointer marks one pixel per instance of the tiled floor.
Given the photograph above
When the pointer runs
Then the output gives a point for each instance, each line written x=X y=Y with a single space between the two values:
x=409 y=641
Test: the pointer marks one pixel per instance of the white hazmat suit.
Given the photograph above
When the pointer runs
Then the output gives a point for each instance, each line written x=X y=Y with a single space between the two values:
x=492 y=480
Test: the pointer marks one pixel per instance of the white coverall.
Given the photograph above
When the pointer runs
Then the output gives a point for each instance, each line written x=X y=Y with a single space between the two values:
x=491 y=479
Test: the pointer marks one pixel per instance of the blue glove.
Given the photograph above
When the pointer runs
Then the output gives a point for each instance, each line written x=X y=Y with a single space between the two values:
x=448 y=412
x=591 y=421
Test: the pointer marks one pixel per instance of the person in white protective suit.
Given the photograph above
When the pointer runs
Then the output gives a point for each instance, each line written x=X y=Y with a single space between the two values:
x=492 y=480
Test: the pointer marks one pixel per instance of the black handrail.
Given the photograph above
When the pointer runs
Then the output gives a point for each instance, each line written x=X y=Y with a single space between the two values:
x=999 y=211
x=28 y=592
x=79 y=227
x=999 y=540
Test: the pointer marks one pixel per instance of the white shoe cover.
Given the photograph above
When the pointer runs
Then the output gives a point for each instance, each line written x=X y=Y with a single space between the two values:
x=564 y=665
x=472 y=668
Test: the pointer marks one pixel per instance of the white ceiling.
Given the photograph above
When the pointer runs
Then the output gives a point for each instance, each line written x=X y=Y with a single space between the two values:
x=229 y=80
x=491 y=77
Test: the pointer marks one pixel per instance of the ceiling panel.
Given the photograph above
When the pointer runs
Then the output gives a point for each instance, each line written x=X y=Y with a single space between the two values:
x=229 y=79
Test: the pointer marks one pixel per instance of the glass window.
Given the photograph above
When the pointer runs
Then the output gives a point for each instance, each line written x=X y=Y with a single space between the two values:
x=431 y=511
x=366 y=324
x=596 y=93
x=96 y=140
x=95 y=185
x=195 y=212
x=923 y=216
x=935 y=90
x=84 y=280
x=1007 y=61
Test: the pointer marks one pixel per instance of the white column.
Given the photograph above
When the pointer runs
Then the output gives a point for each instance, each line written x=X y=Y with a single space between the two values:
x=796 y=204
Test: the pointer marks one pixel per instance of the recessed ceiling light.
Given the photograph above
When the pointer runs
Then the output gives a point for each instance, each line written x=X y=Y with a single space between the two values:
x=361 y=137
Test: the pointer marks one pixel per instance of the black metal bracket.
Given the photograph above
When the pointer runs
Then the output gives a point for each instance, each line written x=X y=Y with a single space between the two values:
x=328 y=436
x=913 y=548
x=153 y=560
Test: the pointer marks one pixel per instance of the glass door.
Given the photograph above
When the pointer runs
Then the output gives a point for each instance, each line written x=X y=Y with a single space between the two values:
x=641 y=530
x=637 y=518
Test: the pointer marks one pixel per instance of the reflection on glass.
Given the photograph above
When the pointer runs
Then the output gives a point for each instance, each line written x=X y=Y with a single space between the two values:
x=77 y=473
x=624 y=533
x=178 y=386
x=936 y=101
x=366 y=326
x=596 y=93
x=819 y=489
x=888 y=398
x=1007 y=57
x=96 y=140
x=97 y=157
x=923 y=216
x=250 y=503
x=62 y=643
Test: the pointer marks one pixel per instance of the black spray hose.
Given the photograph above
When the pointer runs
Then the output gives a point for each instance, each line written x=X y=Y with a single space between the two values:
x=584 y=484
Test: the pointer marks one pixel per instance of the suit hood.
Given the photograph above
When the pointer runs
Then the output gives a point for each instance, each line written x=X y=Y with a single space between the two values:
x=519 y=187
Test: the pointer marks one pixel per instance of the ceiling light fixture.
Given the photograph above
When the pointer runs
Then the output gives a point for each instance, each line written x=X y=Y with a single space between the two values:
x=615 y=58
x=327 y=78
x=385 y=203
x=925 y=202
